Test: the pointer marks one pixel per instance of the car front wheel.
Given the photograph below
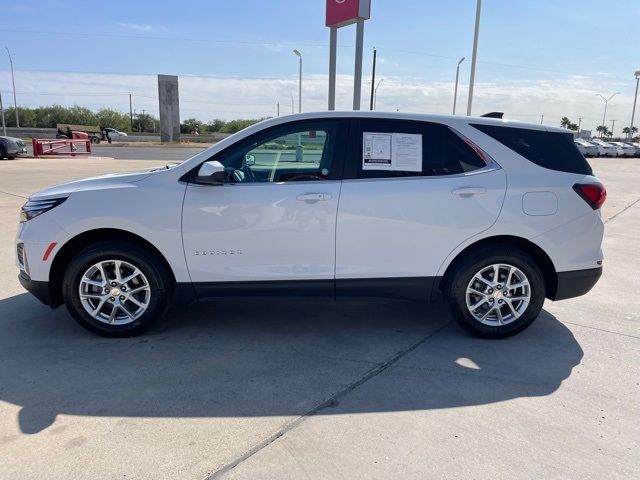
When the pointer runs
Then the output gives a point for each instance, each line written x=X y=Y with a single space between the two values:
x=116 y=289
x=496 y=292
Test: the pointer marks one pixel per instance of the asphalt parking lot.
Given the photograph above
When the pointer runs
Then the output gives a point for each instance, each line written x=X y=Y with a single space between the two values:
x=323 y=390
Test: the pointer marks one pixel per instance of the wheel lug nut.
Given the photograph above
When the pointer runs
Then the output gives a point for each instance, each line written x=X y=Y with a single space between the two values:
x=499 y=301
x=491 y=300
x=490 y=290
x=121 y=297
x=124 y=289
x=106 y=290
x=499 y=287
x=112 y=299
x=113 y=284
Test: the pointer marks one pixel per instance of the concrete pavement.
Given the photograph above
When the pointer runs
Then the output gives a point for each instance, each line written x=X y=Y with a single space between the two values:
x=322 y=390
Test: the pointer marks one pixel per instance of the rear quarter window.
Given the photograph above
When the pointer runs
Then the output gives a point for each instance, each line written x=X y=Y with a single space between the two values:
x=552 y=150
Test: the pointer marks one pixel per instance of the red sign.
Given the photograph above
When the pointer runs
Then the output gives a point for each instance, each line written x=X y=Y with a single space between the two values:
x=346 y=12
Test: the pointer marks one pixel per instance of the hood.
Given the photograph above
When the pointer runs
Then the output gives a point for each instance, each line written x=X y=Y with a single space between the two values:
x=113 y=180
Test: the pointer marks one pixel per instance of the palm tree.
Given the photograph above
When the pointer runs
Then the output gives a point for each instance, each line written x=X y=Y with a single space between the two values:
x=629 y=131
x=565 y=122
x=601 y=129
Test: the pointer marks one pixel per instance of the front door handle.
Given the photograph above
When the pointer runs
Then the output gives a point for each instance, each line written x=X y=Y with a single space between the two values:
x=313 y=197
x=469 y=191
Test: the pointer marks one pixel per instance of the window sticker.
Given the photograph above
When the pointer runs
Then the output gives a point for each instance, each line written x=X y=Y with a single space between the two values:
x=392 y=151
x=376 y=151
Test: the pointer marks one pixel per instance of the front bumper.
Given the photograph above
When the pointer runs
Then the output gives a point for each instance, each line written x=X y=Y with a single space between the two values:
x=575 y=283
x=40 y=290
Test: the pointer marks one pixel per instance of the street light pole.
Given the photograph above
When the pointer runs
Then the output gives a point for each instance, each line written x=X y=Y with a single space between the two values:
x=357 y=75
x=130 y=113
x=373 y=79
x=606 y=102
x=472 y=78
x=613 y=123
x=13 y=82
x=375 y=93
x=297 y=52
x=4 y=126
x=455 y=90
x=635 y=100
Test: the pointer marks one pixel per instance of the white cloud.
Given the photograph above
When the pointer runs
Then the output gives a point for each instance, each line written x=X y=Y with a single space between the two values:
x=139 y=27
x=208 y=97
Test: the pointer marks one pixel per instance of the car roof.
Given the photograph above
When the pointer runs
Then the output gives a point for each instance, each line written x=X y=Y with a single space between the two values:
x=424 y=117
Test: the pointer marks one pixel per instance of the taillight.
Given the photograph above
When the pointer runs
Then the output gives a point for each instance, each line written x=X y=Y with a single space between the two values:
x=593 y=193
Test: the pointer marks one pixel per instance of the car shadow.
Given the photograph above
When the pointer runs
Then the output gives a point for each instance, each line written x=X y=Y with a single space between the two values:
x=241 y=358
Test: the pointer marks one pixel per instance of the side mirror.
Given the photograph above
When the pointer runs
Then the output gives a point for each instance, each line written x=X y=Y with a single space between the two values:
x=211 y=173
x=249 y=159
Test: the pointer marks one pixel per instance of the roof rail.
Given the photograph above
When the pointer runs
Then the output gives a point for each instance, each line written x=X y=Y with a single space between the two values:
x=493 y=115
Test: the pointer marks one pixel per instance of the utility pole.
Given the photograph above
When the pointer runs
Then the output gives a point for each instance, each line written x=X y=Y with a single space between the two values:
x=472 y=78
x=613 y=123
x=278 y=108
x=13 y=82
x=541 y=119
x=292 y=107
x=130 y=113
x=579 y=123
x=373 y=79
x=4 y=126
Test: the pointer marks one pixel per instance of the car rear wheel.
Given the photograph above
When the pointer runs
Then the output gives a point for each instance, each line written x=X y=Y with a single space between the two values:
x=116 y=289
x=496 y=292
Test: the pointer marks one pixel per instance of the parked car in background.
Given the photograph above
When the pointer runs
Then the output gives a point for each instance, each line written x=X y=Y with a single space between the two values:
x=605 y=149
x=636 y=148
x=11 y=147
x=624 y=150
x=493 y=215
x=587 y=149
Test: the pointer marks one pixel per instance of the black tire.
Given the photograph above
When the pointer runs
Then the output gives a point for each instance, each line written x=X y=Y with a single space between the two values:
x=95 y=140
x=3 y=153
x=455 y=289
x=12 y=157
x=158 y=279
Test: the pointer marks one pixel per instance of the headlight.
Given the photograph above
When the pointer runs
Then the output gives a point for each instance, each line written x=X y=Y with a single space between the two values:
x=33 y=208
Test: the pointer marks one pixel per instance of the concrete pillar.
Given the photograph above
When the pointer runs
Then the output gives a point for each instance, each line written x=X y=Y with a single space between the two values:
x=169 y=108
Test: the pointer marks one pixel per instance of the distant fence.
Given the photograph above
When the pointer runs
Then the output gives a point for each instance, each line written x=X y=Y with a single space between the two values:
x=131 y=137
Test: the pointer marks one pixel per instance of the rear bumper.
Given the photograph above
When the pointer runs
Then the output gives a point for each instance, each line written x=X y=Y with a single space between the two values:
x=40 y=290
x=575 y=283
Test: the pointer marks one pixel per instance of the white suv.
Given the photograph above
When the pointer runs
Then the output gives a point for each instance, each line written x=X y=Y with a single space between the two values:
x=496 y=215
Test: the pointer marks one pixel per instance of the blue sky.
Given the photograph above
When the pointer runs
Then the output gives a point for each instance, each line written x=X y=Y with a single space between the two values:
x=536 y=57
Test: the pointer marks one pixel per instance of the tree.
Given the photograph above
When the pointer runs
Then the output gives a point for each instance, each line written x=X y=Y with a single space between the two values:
x=191 y=125
x=144 y=122
x=234 y=126
x=603 y=131
x=630 y=131
x=113 y=119
x=215 y=125
x=566 y=123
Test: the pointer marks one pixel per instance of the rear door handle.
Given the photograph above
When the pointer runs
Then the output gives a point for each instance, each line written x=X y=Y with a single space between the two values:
x=469 y=191
x=313 y=197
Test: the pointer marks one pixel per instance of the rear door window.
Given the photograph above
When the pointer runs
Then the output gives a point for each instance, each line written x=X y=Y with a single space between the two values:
x=443 y=151
x=552 y=150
